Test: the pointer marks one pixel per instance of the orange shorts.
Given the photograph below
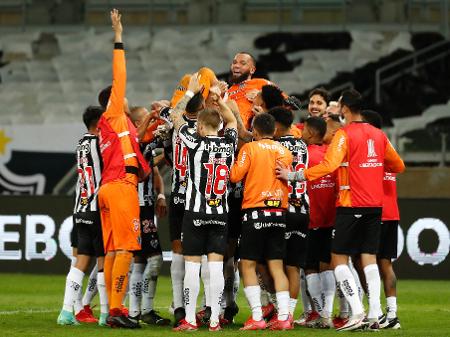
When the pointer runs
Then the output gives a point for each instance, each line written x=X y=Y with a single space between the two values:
x=119 y=210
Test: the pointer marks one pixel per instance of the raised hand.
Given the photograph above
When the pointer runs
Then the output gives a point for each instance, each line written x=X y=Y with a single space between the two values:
x=116 y=23
x=194 y=83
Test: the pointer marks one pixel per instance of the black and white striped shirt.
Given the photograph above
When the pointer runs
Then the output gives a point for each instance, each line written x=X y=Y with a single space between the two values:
x=298 y=198
x=180 y=169
x=209 y=162
x=89 y=167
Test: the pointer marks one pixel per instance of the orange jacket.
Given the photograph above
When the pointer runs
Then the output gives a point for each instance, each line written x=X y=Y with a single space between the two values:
x=255 y=165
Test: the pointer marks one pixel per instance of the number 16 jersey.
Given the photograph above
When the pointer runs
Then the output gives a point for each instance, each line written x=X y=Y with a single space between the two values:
x=209 y=162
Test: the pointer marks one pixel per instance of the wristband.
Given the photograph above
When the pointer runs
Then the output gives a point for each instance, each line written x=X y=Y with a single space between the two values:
x=161 y=196
x=189 y=93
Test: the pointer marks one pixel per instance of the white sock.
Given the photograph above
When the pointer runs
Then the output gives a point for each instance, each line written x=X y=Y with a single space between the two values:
x=283 y=305
x=177 y=276
x=191 y=289
x=236 y=284
x=328 y=290
x=305 y=298
x=392 y=307
x=344 y=310
x=103 y=296
x=315 y=290
x=149 y=282
x=135 y=291
x=357 y=280
x=292 y=305
x=72 y=292
x=253 y=294
x=265 y=300
x=346 y=282
x=216 y=285
x=91 y=289
x=205 y=274
x=374 y=290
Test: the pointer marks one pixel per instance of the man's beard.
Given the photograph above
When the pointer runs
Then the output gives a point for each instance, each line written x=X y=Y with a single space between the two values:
x=241 y=78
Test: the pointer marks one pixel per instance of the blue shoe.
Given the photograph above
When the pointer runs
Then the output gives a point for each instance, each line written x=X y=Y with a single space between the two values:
x=66 y=318
x=102 y=319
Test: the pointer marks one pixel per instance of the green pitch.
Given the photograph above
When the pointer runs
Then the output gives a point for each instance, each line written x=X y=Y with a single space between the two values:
x=29 y=306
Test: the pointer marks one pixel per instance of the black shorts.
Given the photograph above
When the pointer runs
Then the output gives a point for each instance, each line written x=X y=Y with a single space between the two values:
x=150 y=244
x=204 y=233
x=296 y=238
x=357 y=231
x=387 y=248
x=74 y=234
x=262 y=236
x=234 y=217
x=89 y=230
x=319 y=247
x=176 y=212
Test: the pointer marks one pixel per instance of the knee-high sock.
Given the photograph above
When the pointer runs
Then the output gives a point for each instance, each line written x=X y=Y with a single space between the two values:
x=177 y=276
x=344 y=310
x=236 y=284
x=304 y=291
x=391 y=302
x=216 y=286
x=253 y=294
x=107 y=270
x=229 y=282
x=373 y=289
x=135 y=292
x=150 y=280
x=191 y=289
x=328 y=290
x=346 y=282
x=357 y=280
x=283 y=305
x=91 y=289
x=205 y=274
x=120 y=270
x=102 y=295
x=74 y=283
x=315 y=290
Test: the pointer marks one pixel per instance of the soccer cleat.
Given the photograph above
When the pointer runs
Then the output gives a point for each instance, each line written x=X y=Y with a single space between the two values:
x=124 y=310
x=154 y=319
x=268 y=311
x=272 y=321
x=117 y=320
x=229 y=313
x=356 y=322
x=185 y=326
x=282 y=325
x=251 y=324
x=203 y=316
x=307 y=318
x=389 y=323
x=312 y=319
x=215 y=327
x=179 y=315
x=324 y=323
x=88 y=309
x=102 y=319
x=85 y=317
x=339 y=321
x=66 y=318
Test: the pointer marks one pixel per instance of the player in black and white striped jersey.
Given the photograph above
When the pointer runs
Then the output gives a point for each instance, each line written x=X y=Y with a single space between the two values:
x=204 y=223
x=297 y=215
x=87 y=232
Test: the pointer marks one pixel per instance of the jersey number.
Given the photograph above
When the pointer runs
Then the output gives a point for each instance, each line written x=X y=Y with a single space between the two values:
x=180 y=159
x=86 y=173
x=300 y=189
x=217 y=179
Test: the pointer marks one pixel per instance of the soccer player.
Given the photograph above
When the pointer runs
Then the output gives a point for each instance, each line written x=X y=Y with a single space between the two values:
x=123 y=167
x=147 y=261
x=88 y=227
x=390 y=218
x=362 y=154
x=264 y=224
x=333 y=109
x=318 y=102
x=297 y=214
x=205 y=217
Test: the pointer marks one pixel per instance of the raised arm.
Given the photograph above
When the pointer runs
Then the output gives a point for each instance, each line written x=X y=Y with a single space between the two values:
x=228 y=118
x=244 y=135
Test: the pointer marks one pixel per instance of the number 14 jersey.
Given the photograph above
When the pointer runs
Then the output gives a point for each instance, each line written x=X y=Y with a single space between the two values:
x=209 y=162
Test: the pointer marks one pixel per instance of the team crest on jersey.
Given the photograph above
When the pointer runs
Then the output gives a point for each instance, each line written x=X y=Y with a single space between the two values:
x=272 y=203
x=148 y=226
x=214 y=202
x=136 y=225
x=295 y=202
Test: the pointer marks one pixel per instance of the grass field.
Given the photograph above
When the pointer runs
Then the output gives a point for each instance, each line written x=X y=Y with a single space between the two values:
x=30 y=304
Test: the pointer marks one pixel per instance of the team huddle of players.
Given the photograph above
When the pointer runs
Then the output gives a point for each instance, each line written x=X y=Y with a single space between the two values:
x=253 y=197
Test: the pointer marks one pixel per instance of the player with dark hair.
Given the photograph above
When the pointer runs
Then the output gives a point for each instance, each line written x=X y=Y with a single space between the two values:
x=361 y=153
x=297 y=215
x=264 y=206
x=124 y=166
x=205 y=219
x=390 y=218
x=269 y=97
x=87 y=227
x=318 y=102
